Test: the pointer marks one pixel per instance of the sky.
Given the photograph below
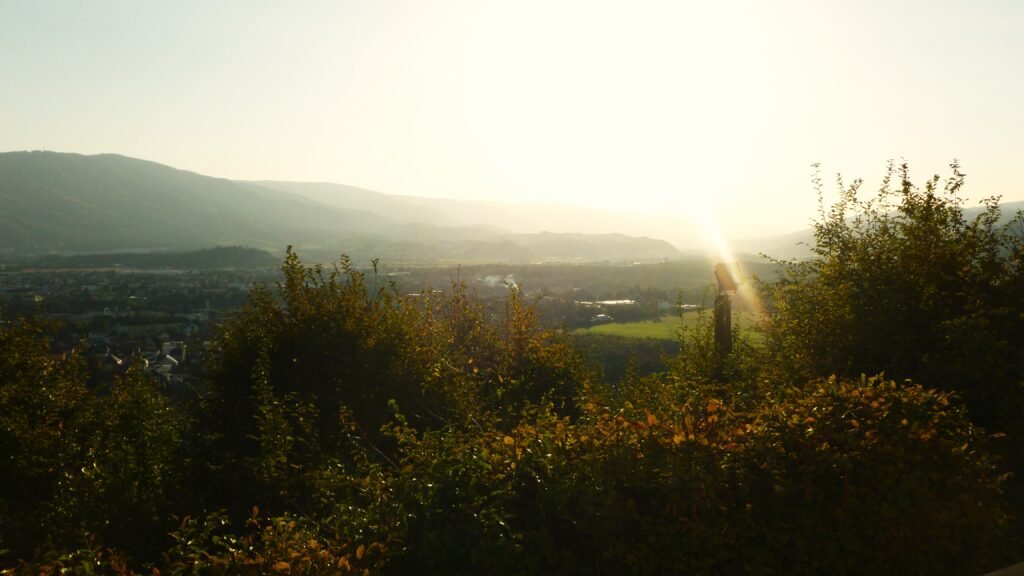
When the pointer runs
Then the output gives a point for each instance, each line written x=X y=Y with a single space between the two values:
x=705 y=110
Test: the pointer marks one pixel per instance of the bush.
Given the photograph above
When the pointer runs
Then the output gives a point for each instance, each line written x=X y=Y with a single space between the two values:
x=905 y=283
x=843 y=477
x=81 y=465
x=304 y=376
x=868 y=476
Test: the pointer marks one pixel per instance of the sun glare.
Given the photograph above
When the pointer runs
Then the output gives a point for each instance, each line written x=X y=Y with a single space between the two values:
x=720 y=252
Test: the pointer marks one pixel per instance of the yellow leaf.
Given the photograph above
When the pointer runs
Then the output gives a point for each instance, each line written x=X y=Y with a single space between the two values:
x=360 y=551
x=509 y=441
x=282 y=566
x=678 y=439
x=652 y=420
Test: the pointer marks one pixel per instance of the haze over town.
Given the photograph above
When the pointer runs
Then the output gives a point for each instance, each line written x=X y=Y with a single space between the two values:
x=703 y=114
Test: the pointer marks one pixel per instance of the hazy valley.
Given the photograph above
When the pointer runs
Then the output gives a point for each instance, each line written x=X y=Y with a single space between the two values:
x=69 y=203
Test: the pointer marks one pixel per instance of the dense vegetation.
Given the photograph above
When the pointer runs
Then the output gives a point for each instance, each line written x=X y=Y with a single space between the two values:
x=345 y=427
x=903 y=283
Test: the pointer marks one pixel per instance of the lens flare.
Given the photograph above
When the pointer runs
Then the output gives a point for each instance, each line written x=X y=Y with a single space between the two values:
x=720 y=252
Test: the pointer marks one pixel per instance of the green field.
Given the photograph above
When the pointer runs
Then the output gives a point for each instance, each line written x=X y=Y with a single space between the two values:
x=664 y=329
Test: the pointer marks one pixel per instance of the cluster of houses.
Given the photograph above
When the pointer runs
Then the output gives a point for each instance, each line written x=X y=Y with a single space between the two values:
x=161 y=320
x=162 y=348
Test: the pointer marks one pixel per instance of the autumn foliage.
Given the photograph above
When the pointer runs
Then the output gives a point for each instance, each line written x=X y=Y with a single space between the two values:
x=343 y=427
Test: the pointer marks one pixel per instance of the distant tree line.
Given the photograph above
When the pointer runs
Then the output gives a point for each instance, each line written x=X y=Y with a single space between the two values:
x=220 y=257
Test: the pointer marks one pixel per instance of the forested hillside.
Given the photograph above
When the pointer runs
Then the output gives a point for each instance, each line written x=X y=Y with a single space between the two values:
x=344 y=427
x=73 y=204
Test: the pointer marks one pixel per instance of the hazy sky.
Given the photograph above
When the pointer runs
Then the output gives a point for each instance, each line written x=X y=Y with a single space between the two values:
x=670 y=107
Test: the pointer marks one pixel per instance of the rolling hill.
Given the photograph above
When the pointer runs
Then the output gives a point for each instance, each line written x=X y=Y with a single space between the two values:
x=70 y=203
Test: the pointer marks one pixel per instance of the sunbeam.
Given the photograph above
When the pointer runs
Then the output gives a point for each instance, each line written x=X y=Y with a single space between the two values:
x=720 y=252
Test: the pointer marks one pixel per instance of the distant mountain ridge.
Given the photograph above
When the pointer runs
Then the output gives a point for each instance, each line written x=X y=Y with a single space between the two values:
x=511 y=217
x=71 y=203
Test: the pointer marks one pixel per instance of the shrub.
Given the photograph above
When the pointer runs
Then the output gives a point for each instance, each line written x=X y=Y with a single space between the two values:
x=905 y=283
